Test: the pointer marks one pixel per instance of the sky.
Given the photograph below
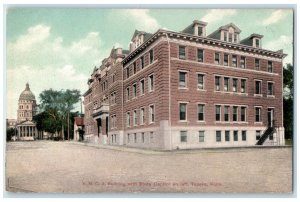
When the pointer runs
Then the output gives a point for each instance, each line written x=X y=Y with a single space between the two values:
x=59 y=47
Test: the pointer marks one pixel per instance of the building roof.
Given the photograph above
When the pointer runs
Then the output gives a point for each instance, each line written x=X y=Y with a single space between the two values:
x=27 y=94
x=146 y=35
x=79 y=121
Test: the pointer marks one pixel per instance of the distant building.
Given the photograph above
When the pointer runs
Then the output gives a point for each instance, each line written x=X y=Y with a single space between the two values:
x=26 y=110
x=187 y=89
x=78 y=128
x=11 y=123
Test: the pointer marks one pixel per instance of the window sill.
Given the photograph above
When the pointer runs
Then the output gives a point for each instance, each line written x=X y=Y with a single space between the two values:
x=258 y=123
x=182 y=121
x=182 y=88
x=258 y=95
x=270 y=96
x=199 y=89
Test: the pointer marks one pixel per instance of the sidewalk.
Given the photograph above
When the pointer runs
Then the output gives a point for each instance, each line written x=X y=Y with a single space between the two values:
x=181 y=151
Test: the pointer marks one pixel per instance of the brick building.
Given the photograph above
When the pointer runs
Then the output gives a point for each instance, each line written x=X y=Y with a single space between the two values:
x=176 y=90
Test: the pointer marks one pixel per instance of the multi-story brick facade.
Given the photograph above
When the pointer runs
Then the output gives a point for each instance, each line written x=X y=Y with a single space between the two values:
x=187 y=90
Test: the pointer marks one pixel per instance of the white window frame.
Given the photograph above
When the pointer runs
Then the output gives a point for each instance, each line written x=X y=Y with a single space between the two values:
x=150 y=113
x=128 y=119
x=237 y=113
x=260 y=118
x=203 y=80
x=142 y=89
x=200 y=135
x=273 y=95
x=215 y=58
x=259 y=95
x=245 y=114
x=186 y=111
x=186 y=79
x=149 y=83
x=202 y=104
x=216 y=113
x=142 y=116
x=135 y=118
x=228 y=107
x=134 y=92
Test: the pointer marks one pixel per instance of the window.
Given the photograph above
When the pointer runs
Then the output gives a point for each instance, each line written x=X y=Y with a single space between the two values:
x=151 y=83
x=226 y=59
x=234 y=60
x=218 y=113
x=227 y=135
x=218 y=136
x=243 y=86
x=113 y=77
x=200 y=112
x=243 y=113
x=226 y=84
x=135 y=138
x=151 y=114
x=127 y=72
x=142 y=116
x=182 y=52
x=217 y=58
x=235 y=113
x=183 y=136
x=243 y=62
x=142 y=62
x=271 y=136
x=257 y=87
x=142 y=87
x=143 y=137
x=200 y=55
x=225 y=36
x=257 y=64
x=270 y=88
x=258 y=134
x=182 y=79
x=200 y=31
x=257 y=114
x=226 y=113
x=128 y=119
x=234 y=85
x=182 y=111
x=217 y=83
x=257 y=43
x=230 y=37
x=134 y=67
x=128 y=137
x=127 y=93
x=201 y=136
x=270 y=66
x=235 y=38
x=200 y=84
x=235 y=135
x=134 y=90
x=244 y=135
x=134 y=118
x=151 y=56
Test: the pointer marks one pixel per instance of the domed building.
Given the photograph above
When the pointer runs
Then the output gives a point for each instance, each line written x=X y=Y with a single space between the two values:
x=26 y=110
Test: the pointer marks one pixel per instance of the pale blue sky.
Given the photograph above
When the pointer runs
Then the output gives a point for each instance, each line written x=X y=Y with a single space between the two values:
x=58 y=47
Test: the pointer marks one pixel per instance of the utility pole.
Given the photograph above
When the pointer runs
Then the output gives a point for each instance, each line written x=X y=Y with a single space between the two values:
x=68 y=125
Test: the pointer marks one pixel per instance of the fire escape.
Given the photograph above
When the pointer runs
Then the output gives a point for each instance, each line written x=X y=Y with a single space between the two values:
x=267 y=133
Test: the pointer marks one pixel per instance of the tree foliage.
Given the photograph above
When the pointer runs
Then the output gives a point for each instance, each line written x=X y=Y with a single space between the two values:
x=288 y=100
x=54 y=108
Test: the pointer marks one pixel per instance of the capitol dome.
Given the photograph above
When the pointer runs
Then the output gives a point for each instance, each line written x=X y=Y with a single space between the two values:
x=27 y=94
